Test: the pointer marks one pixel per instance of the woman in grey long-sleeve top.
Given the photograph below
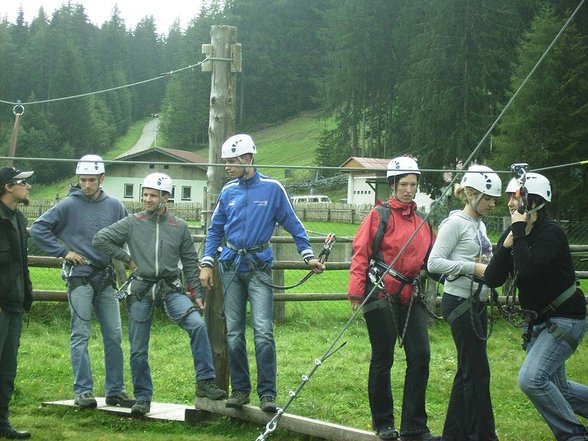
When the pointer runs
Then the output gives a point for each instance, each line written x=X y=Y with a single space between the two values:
x=461 y=252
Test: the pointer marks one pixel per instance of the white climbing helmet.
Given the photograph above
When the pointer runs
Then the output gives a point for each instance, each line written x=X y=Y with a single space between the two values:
x=534 y=183
x=483 y=179
x=158 y=181
x=90 y=165
x=402 y=165
x=238 y=145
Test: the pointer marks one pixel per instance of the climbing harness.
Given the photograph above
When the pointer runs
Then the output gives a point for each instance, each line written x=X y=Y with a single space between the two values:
x=249 y=254
x=159 y=288
x=98 y=279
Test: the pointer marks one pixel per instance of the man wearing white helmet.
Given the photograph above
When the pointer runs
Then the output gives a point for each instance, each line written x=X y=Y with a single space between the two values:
x=66 y=231
x=534 y=251
x=158 y=243
x=390 y=311
x=462 y=252
x=248 y=208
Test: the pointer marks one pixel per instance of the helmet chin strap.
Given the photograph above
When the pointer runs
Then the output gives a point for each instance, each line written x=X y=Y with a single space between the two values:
x=475 y=205
x=245 y=165
x=534 y=209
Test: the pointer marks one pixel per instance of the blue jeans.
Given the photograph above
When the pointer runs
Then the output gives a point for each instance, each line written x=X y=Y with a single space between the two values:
x=469 y=414
x=383 y=325
x=543 y=379
x=181 y=310
x=240 y=286
x=105 y=305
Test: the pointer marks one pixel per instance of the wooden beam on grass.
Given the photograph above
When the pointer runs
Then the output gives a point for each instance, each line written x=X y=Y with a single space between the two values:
x=290 y=422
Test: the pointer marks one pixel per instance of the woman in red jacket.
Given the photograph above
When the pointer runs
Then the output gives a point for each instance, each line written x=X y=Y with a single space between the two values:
x=393 y=311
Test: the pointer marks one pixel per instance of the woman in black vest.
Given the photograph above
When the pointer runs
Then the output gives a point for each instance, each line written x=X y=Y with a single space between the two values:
x=535 y=252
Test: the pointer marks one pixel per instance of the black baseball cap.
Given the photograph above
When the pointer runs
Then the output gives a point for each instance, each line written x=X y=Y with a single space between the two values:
x=10 y=174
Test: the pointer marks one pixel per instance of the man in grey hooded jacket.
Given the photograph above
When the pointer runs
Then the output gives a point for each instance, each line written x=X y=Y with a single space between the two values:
x=67 y=230
x=158 y=242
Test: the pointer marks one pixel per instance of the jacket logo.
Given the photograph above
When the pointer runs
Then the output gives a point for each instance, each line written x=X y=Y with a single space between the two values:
x=261 y=203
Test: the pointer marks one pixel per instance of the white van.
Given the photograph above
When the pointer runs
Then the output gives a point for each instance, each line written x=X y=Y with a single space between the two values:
x=311 y=199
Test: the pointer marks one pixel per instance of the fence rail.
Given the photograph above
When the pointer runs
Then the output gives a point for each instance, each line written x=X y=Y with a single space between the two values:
x=284 y=247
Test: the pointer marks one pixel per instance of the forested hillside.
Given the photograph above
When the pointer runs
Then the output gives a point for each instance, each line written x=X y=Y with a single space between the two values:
x=422 y=77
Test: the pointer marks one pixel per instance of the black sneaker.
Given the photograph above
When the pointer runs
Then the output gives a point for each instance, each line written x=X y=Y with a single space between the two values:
x=238 y=399
x=141 y=408
x=121 y=399
x=85 y=401
x=209 y=389
x=388 y=433
x=268 y=404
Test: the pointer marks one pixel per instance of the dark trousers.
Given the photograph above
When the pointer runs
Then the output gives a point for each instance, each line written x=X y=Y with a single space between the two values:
x=469 y=415
x=10 y=329
x=383 y=326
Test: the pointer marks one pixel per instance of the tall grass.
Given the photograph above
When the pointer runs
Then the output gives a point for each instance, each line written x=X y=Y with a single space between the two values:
x=336 y=393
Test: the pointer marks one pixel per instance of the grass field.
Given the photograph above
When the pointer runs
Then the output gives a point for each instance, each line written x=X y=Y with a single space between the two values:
x=336 y=393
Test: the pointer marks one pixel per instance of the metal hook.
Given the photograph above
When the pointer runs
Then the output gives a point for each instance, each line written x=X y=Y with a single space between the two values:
x=17 y=107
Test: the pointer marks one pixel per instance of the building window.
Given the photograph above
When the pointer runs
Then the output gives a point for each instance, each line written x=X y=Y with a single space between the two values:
x=151 y=165
x=186 y=193
x=166 y=167
x=129 y=191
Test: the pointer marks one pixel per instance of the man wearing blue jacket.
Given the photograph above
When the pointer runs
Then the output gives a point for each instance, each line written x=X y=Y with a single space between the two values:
x=158 y=243
x=67 y=230
x=246 y=213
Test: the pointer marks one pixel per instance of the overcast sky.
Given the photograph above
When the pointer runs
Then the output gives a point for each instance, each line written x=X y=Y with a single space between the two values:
x=99 y=11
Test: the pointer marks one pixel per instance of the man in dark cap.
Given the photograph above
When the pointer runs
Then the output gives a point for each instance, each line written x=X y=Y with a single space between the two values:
x=16 y=294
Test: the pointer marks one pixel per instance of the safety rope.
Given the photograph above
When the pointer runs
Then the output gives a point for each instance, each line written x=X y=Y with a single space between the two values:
x=323 y=256
x=272 y=424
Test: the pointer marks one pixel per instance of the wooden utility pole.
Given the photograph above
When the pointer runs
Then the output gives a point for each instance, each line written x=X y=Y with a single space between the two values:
x=224 y=60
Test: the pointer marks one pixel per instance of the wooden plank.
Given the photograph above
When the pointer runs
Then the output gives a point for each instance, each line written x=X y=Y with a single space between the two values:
x=293 y=423
x=159 y=411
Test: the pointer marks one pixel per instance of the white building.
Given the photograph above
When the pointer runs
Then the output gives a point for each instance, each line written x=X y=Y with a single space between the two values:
x=124 y=180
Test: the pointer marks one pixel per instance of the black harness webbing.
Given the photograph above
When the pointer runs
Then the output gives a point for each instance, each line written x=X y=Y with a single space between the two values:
x=560 y=300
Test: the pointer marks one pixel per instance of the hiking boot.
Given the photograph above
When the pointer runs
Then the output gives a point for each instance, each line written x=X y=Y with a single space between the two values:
x=268 y=404
x=141 y=408
x=209 y=389
x=238 y=399
x=388 y=433
x=85 y=401
x=121 y=399
x=427 y=436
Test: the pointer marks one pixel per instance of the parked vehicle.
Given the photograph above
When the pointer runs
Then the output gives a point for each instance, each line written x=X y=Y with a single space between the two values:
x=311 y=199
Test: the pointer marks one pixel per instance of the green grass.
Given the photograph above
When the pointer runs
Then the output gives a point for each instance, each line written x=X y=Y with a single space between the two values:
x=291 y=143
x=335 y=393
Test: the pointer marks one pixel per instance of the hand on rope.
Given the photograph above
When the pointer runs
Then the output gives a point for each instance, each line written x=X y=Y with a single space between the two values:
x=317 y=265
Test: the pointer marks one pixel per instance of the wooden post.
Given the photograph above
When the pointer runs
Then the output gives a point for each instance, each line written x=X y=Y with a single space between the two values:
x=279 y=280
x=224 y=56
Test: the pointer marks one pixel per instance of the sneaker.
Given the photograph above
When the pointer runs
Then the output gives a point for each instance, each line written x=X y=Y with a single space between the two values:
x=9 y=432
x=388 y=433
x=121 y=399
x=141 y=407
x=209 y=389
x=238 y=399
x=85 y=401
x=268 y=404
